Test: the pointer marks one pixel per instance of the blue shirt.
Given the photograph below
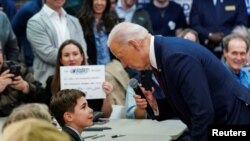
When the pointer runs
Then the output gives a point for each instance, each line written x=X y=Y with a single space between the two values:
x=130 y=103
x=103 y=56
x=243 y=77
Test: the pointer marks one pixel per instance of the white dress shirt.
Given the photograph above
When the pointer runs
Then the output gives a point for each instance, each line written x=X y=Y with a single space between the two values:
x=59 y=22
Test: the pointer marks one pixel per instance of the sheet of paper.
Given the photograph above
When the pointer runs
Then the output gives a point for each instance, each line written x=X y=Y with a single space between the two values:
x=88 y=79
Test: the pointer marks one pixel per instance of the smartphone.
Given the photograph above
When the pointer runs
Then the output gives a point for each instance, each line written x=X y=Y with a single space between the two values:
x=15 y=69
x=146 y=79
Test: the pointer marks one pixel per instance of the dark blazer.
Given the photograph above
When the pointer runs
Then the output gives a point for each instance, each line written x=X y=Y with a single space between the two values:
x=73 y=135
x=203 y=17
x=199 y=87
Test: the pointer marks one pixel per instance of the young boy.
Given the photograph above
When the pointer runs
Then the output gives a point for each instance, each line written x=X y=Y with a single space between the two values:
x=70 y=108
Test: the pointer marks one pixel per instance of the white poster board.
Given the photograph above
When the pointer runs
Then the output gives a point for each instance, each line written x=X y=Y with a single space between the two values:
x=88 y=79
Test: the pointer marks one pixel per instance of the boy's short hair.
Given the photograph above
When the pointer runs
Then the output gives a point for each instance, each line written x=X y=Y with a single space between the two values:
x=64 y=101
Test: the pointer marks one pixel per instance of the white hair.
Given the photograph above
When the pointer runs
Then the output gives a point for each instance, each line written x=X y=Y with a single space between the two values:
x=125 y=31
x=242 y=30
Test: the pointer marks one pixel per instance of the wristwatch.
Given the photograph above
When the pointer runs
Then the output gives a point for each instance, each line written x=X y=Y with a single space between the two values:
x=210 y=34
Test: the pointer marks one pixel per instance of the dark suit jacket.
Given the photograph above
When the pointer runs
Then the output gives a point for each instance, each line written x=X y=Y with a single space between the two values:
x=203 y=17
x=199 y=87
x=73 y=135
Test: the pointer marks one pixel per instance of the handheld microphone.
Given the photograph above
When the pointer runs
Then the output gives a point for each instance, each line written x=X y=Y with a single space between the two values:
x=135 y=85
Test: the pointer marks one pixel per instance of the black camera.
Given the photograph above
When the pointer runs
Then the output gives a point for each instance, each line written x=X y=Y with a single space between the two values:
x=14 y=68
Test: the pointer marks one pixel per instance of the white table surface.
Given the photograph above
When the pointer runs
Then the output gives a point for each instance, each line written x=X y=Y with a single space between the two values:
x=129 y=137
x=139 y=130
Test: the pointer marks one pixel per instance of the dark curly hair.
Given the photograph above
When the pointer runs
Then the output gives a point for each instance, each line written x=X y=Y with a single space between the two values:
x=86 y=17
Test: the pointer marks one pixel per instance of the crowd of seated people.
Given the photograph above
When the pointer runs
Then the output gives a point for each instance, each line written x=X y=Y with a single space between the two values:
x=43 y=35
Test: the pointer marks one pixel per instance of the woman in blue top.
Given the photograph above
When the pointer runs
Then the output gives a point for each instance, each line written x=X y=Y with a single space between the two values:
x=97 y=20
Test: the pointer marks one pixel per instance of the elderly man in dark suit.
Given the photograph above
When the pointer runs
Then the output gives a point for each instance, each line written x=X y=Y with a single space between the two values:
x=197 y=85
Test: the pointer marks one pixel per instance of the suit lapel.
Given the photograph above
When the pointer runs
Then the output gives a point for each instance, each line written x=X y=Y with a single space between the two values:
x=158 y=55
x=70 y=26
x=72 y=133
x=165 y=83
x=52 y=31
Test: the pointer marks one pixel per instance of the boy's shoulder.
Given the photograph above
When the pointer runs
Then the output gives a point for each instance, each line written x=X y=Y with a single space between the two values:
x=72 y=133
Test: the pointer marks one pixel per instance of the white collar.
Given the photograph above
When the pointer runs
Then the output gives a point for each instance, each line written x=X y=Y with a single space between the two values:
x=51 y=12
x=152 y=57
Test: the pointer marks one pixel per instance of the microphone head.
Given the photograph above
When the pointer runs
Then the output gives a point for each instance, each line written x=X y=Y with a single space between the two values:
x=133 y=83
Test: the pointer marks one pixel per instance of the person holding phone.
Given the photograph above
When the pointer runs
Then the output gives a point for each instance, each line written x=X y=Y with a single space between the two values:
x=17 y=86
